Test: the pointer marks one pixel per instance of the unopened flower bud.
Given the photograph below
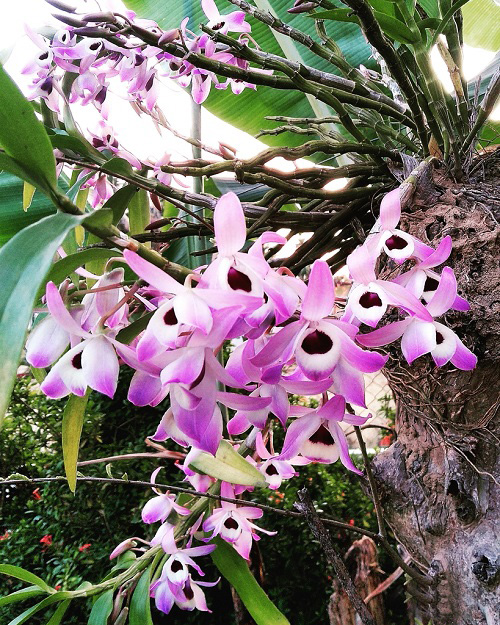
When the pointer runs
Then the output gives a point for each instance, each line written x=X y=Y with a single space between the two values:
x=67 y=19
x=304 y=7
x=227 y=151
x=169 y=35
x=107 y=17
x=125 y=545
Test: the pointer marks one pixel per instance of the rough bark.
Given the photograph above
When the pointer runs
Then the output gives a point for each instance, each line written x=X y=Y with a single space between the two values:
x=362 y=563
x=439 y=480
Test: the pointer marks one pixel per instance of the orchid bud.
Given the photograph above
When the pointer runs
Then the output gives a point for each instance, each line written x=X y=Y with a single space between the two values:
x=169 y=35
x=303 y=8
x=66 y=19
x=107 y=17
x=62 y=6
x=227 y=151
x=125 y=545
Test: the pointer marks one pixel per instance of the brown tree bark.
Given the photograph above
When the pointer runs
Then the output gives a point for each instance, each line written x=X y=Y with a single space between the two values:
x=439 y=481
x=362 y=563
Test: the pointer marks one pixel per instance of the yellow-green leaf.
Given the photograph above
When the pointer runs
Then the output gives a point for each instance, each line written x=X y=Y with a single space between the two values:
x=28 y=193
x=72 y=424
x=228 y=466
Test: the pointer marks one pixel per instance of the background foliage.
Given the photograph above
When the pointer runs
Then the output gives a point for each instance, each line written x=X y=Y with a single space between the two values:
x=103 y=515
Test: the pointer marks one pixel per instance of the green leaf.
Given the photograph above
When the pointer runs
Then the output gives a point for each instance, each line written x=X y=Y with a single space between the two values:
x=22 y=136
x=119 y=201
x=21 y=595
x=446 y=18
x=101 y=609
x=140 y=604
x=138 y=212
x=24 y=263
x=25 y=576
x=338 y=15
x=481 y=24
x=72 y=424
x=100 y=218
x=27 y=614
x=56 y=618
x=12 y=217
x=128 y=334
x=65 y=266
x=118 y=166
x=9 y=164
x=395 y=28
x=228 y=466
x=235 y=569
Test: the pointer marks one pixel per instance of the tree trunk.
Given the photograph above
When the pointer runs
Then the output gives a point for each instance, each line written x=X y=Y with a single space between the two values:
x=438 y=481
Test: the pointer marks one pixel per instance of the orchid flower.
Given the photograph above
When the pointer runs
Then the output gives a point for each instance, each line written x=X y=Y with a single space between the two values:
x=422 y=282
x=91 y=363
x=160 y=507
x=317 y=343
x=422 y=337
x=232 y=523
x=273 y=468
x=232 y=22
x=369 y=298
x=317 y=435
x=175 y=584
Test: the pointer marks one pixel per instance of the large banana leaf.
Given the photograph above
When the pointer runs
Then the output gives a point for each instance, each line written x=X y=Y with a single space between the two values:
x=247 y=111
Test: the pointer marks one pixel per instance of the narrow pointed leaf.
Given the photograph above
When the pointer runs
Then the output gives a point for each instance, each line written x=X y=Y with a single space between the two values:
x=25 y=576
x=235 y=569
x=140 y=604
x=72 y=424
x=101 y=609
x=61 y=610
x=21 y=595
x=45 y=603
x=28 y=193
x=138 y=212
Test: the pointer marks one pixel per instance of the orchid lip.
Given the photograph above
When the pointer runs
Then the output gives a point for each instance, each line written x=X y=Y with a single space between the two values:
x=238 y=281
x=322 y=436
x=370 y=300
x=317 y=342
x=431 y=284
x=76 y=361
x=396 y=243
x=169 y=318
x=231 y=523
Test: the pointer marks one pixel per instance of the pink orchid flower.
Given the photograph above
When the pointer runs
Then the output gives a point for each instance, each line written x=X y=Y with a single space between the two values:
x=232 y=523
x=317 y=435
x=232 y=22
x=422 y=337
x=91 y=363
x=317 y=343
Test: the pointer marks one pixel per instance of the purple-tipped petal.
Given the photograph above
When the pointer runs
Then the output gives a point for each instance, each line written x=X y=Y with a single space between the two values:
x=278 y=345
x=390 y=210
x=384 y=336
x=53 y=386
x=100 y=366
x=463 y=358
x=334 y=409
x=320 y=296
x=367 y=362
x=343 y=447
x=298 y=432
x=361 y=263
x=143 y=388
x=60 y=313
x=235 y=22
x=210 y=9
x=229 y=224
x=439 y=255
x=151 y=274
x=193 y=311
x=419 y=339
x=235 y=401
x=444 y=295
x=399 y=296
x=46 y=343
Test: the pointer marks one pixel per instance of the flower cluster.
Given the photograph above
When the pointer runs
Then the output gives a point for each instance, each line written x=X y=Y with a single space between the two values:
x=122 y=64
x=286 y=338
